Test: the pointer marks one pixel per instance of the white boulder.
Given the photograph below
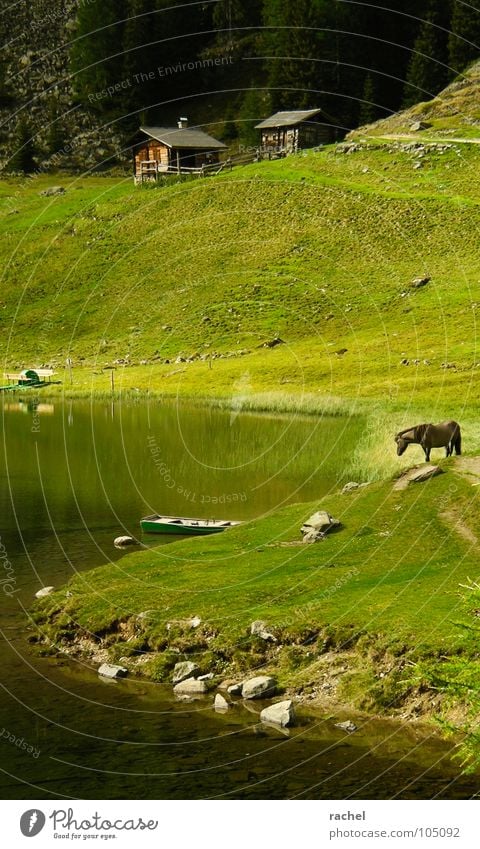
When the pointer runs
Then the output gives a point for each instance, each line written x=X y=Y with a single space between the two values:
x=281 y=713
x=109 y=670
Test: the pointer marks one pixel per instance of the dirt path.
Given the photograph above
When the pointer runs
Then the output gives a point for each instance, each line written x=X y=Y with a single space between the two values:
x=430 y=140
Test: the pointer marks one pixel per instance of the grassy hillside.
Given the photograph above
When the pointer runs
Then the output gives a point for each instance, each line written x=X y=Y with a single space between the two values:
x=319 y=249
x=455 y=111
x=376 y=610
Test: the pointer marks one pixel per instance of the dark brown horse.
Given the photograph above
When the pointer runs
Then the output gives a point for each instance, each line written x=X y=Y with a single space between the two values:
x=444 y=435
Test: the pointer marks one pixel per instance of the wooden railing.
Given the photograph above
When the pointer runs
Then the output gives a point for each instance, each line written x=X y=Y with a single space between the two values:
x=151 y=169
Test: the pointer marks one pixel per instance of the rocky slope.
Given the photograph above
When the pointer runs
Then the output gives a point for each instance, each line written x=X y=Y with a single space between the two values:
x=455 y=111
x=35 y=58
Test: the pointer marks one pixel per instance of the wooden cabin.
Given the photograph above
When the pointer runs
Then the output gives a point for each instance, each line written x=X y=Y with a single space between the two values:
x=288 y=132
x=181 y=149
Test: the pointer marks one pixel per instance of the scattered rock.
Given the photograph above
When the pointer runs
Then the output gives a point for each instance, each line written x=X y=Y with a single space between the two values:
x=124 y=542
x=342 y=351
x=234 y=690
x=183 y=671
x=44 y=592
x=52 y=191
x=318 y=525
x=190 y=686
x=281 y=713
x=273 y=343
x=207 y=677
x=418 y=282
x=348 y=726
x=424 y=474
x=259 y=629
x=220 y=704
x=108 y=670
x=260 y=687
x=420 y=125
x=195 y=622
x=350 y=487
x=313 y=536
x=448 y=365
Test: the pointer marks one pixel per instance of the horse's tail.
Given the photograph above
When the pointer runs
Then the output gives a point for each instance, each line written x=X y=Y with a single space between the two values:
x=457 y=442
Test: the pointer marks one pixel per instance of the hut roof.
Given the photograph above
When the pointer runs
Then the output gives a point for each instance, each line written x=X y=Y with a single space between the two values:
x=288 y=119
x=183 y=137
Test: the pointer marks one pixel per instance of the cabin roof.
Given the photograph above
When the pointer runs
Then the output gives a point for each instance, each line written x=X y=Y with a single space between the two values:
x=288 y=119
x=183 y=137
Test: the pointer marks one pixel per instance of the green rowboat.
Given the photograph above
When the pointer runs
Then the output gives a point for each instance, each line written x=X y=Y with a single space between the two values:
x=182 y=526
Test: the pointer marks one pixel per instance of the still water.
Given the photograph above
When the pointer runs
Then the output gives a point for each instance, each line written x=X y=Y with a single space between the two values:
x=74 y=476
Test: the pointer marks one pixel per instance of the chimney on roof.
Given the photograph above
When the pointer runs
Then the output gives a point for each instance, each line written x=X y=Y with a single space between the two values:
x=183 y=123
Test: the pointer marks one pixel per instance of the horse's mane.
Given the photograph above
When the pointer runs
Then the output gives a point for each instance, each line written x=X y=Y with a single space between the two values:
x=419 y=432
x=408 y=429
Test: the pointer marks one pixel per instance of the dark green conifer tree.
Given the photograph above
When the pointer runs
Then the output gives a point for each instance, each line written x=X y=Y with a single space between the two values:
x=428 y=71
x=464 y=41
x=369 y=109
x=96 y=54
x=301 y=42
x=56 y=137
x=23 y=158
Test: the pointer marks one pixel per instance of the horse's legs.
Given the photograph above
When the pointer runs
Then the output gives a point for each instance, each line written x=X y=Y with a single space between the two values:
x=427 y=455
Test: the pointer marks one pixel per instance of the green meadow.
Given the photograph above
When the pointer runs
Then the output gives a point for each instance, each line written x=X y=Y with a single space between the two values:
x=379 y=612
x=185 y=283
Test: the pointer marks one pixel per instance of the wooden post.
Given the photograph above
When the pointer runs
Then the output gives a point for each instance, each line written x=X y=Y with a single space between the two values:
x=69 y=366
x=112 y=381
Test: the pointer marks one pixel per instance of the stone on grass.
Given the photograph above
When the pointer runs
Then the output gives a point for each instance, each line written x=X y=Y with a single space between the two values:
x=424 y=474
x=44 y=592
x=191 y=686
x=260 y=687
x=281 y=713
x=313 y=536
x=109 y=670
x=347 y=726
x=350 y=487
x=52 y=191
x=185 y=670
x=419 y=282
x=420 y=475
x=321 y=522
x=259 y=629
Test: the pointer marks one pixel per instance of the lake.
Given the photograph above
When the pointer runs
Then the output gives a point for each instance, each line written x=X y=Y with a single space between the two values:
x=76 y=475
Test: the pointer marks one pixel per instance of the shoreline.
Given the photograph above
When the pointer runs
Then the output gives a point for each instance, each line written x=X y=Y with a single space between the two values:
x=333 y=661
